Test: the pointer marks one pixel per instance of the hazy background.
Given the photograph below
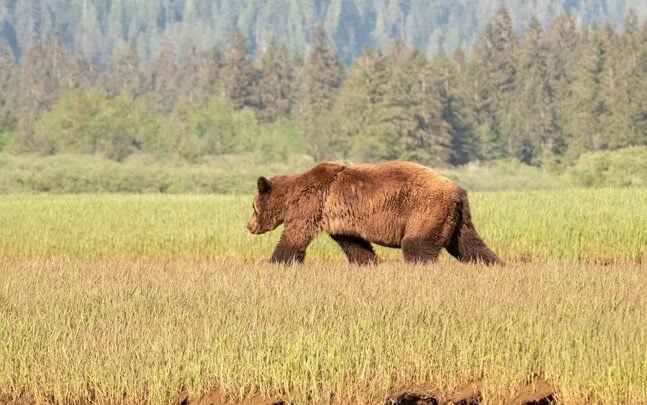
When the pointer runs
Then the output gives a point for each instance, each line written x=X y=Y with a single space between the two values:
x=203 y=96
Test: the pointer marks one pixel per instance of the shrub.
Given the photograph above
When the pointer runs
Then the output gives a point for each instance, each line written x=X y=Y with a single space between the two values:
x=619 y=168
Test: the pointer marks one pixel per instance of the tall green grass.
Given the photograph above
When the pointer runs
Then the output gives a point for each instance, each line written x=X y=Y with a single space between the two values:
x=596 y=225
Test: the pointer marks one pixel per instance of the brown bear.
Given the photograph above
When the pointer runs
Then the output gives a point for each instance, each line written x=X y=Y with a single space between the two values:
x=395 y=204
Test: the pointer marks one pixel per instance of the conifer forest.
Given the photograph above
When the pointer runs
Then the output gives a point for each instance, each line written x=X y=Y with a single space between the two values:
x=345 y=80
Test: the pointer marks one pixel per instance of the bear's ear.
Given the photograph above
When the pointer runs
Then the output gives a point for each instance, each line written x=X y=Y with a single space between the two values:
x=264 y=185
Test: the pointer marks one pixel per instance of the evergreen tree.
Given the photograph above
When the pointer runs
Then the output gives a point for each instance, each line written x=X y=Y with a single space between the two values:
x=8 y=90
x=544 y=101
x=124 y=71
x=39 y=89
x=623 y=87
x=193 y=74
x=638 y=105
x=275 y=89
x=585 y=129
x=410 y=115
x=356 y=111
x=162 y=76
x=322 y=77
x=534 y=108
x=99 y=27
x=447 y=76
x=494 y=69
x=214 y=64
x=198 y=74
x=238 y=76
x=561 y=41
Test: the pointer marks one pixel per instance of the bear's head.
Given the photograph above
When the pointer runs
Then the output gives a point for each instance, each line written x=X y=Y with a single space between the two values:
x=268 y=207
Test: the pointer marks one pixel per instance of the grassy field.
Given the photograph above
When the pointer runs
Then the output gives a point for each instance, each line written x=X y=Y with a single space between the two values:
x=606 y=225
x=161 y=298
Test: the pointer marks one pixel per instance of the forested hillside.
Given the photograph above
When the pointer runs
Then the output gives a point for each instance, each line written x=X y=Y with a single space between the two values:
x=100 y=28
x=544 y=98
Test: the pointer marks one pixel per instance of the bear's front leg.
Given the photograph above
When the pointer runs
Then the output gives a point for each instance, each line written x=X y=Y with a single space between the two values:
x=292 y=245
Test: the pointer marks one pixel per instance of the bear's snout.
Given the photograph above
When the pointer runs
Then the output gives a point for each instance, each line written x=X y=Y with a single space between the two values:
x=253 y=227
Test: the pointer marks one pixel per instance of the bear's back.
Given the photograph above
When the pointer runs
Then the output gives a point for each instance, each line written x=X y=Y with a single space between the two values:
x=396 y=176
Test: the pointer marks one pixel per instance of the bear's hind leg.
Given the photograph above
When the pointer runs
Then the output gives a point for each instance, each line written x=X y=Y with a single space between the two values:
x=429 y=233
x=420 y=250
x=357 y=250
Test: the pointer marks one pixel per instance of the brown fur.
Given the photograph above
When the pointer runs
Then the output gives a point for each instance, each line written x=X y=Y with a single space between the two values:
x=397 y=204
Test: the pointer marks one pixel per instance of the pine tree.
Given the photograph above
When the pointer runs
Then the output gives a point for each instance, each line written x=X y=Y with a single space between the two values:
x=357 y=122
x=585 y=131
x=621 y=87
x=410 y=115
x=534 y=108
x=214 y=61
x=616 y=90
x=198 y=74
x=494 y=69
x=124 y=71
x=162 y=75
x=561 y=41
x=276 y=85
x=322 y=77
x=238 y=76
x=8 y=89
x=40 y=87
x=639 y=101
x=193 y=74
x=447 y=76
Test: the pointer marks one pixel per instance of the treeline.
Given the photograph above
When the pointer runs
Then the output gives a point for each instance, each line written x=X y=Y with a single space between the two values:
x=545 y=99
x=100 y=28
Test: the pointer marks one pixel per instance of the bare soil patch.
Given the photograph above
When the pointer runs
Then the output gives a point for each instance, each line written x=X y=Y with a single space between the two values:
x=537 y=392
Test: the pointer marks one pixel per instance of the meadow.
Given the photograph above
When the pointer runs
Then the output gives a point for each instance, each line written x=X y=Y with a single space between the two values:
x=167 y=298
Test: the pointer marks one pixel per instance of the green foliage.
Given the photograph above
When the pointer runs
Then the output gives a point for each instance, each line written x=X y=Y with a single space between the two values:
x=357 y=127
x=541 y=98
x=101 y=27
x=145 y=174
x=276 y=92
x=500 y=175
x=87 y=122
x=279 y=149
x=410 y=114
x=322 y=78
x=495 y=70
x=620 y=168
x=217 y=129
x=239 y=77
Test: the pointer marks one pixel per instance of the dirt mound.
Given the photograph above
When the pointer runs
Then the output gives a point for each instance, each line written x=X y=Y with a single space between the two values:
x=537 y=392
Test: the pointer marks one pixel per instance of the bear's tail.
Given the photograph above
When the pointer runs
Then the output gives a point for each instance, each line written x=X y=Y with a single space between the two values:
x=466 y=244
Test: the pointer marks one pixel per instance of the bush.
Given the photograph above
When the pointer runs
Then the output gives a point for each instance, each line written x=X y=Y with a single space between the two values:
x=619 y=168
x=143 y=173
x=503 y=175
x=138 y=174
